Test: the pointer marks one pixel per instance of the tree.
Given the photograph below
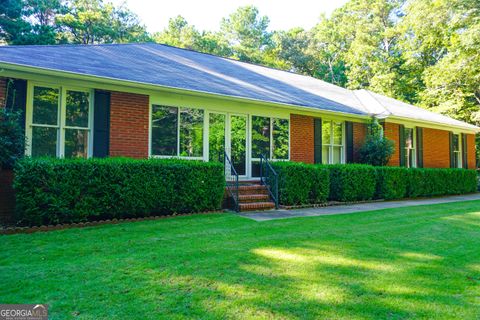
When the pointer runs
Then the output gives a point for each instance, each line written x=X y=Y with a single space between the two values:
x=92 y=21
x=328 y=46
x=291 y=51
x=442 y=41
x=246 y=32
x=179 y=34
x=371 y=56
x=29 y=21
x=213 y=43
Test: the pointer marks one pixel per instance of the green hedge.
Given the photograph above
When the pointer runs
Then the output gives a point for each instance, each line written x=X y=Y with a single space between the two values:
x=305 y=184
x=50 y=191
x=300 y=183
x=392 y=182
x=437 y=182
x=352 y=182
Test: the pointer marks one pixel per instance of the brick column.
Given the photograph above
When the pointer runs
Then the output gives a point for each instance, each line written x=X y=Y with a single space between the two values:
x=392 y=132
x=471 y=148
x=359 y=135
x=436 y=148
x=301 y=138
x=129 y=125
x=7 y=194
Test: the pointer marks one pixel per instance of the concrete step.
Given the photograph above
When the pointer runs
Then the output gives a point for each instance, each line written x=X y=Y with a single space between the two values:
x=256 y=206
x=246 y=198
x=252 y=189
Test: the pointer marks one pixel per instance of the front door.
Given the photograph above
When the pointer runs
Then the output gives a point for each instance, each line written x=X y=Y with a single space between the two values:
x=228 y=132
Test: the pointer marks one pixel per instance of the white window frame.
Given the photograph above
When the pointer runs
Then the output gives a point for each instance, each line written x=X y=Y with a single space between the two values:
x=270 y=156
x=204 y=138
x=459 y=154
x=331 y=144
x=61 y=116
x=206 y=118
x=413 y=149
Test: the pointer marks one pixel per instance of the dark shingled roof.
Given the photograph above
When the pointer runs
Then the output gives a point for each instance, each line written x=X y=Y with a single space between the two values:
x=185 y=69
x=163 y=65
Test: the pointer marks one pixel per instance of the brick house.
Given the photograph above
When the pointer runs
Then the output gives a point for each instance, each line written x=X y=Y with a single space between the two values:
x=151 y=100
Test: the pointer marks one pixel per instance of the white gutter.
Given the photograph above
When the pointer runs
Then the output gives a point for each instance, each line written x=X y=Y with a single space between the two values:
x=369 y=102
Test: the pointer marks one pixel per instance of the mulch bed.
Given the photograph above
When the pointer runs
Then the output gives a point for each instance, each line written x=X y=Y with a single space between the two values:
x=14 y=229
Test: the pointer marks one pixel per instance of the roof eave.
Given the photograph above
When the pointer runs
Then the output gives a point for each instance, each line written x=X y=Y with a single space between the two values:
x=436 y=125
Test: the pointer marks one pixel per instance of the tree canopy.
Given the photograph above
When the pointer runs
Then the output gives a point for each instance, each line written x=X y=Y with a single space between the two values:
x=425 y=52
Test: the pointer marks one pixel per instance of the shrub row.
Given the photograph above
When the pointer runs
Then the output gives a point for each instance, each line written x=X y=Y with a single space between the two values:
x=52 y=191
x=300 y=183
x=306 y=184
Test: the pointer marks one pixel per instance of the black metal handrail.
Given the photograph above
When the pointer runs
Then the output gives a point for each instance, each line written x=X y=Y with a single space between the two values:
x=231 y=179
x=269 y=178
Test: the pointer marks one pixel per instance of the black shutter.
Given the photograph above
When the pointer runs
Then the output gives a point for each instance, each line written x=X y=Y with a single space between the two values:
x=17 y=97
x=419 y=147
x=349 y=141
x=450 y=138
x=401 y=144
x=317 y=140
x=101 y=124
x=464 y=151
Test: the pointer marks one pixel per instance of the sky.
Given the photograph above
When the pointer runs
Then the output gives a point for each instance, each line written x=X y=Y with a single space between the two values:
x=206 y=14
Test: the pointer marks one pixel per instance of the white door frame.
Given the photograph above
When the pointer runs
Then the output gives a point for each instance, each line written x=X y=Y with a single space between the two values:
x=228 y=140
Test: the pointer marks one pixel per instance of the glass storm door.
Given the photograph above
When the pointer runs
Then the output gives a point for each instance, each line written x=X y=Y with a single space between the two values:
x=216 y=136
x=238 y=143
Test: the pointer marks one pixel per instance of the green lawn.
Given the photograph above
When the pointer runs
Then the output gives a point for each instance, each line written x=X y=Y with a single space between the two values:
x=418 y=262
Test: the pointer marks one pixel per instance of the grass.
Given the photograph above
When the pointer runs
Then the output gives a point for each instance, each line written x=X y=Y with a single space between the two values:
x=406 y=263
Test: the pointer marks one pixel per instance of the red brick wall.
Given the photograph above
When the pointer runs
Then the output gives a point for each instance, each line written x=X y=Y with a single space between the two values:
x=391 y=131
x=301 y=138
x=472 y=161
x=436 y=148
x=129 y=125
x=359 y=134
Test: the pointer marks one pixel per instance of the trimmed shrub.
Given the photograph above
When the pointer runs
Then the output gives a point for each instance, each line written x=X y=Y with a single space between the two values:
x=51 y=191
x=437 y=182
x=377 y=149
x=391 y=183
x=351 y=182
x=300 y=183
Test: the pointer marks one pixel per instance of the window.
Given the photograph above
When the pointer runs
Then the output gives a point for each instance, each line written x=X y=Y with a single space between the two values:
x=191 y=133
x=59 y=127
x=332 y=142
x=216 y=136
x=177 y=132
x=270 y=138
x=261 y=128
x=280 y=139
x=456 y=151
x=410 y=155
x=76 y=124
x=164 y=130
